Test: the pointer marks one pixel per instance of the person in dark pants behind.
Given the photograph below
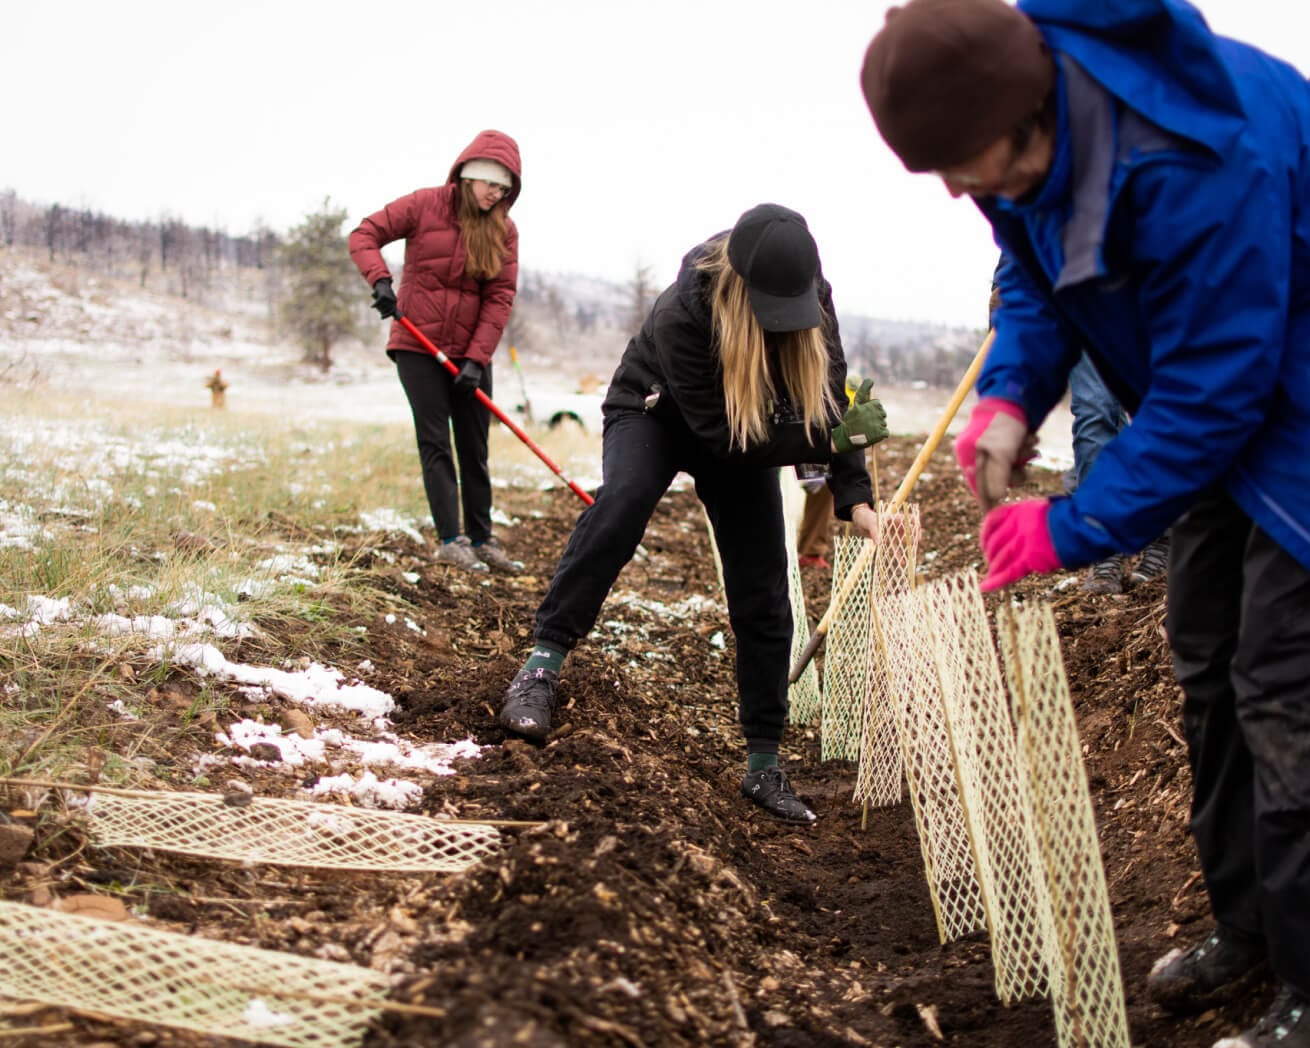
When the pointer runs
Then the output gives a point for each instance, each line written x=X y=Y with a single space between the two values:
x=460 y=277
x=1097 y=418
x=737 y=370
x=814 y=533
x=1150 y=182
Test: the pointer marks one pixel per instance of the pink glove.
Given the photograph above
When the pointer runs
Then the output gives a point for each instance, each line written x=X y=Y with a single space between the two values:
x=1017 y=542
x=994 y=448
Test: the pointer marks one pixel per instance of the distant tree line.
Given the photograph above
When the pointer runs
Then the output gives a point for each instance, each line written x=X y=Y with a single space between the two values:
x=935 y=359
x=188 y=257
x=315 y=296
x=311 y=287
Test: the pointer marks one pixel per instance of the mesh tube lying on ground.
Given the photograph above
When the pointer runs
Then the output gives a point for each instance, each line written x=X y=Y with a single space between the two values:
x=286 y=833
x=131 y=972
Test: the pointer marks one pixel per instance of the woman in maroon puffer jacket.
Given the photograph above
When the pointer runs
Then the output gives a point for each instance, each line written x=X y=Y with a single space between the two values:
x=460 y=275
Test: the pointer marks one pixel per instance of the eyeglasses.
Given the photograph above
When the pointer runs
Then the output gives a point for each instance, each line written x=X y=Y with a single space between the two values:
x=994 y=172
x=503 y=190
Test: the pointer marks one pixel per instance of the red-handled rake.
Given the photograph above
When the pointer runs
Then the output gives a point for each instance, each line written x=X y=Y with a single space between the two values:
x=490 y=405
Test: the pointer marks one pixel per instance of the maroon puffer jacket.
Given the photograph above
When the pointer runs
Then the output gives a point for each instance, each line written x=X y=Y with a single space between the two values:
x=463 y=317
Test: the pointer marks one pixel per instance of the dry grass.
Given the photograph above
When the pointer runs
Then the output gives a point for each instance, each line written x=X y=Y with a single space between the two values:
x=118 y=525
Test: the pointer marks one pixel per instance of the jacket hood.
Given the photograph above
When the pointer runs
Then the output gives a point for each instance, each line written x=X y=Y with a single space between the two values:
x=497 y=146
x=1157 y=56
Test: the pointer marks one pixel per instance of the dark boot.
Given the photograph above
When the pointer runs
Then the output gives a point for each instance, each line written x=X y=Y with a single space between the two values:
x=1153 y=562
x=1285 y=1025
x=1218 y=970
x=529 y=703
x=1106 y=576
x=769 y=788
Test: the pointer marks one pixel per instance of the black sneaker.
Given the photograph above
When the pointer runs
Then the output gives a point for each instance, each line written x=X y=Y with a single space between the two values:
x=769 y=788
x=1153 y=562
x=1218 y=970
x=1285 y=1025
x=529 y=702
x=1106 y=576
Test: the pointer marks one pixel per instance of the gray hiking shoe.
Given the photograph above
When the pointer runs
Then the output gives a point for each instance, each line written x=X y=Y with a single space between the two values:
x=493 y=555
x=529 y=703
x=1220 y=969
x=459 y=554
x=1285 y=1025
x=1105 y=576
x=770 y=789
x=1153 y=562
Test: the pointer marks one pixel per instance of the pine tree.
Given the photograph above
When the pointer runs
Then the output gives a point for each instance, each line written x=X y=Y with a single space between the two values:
x=323 y=285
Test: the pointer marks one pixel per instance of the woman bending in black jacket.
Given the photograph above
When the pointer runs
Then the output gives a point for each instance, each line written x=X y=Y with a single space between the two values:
x=738 y=370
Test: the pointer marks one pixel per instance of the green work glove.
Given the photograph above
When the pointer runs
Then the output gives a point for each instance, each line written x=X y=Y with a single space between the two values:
x=864 y=424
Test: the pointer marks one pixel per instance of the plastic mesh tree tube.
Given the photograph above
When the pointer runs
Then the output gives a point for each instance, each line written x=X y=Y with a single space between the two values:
x=881 y=768
x=930 y=767
x=985 y=754
x=803 y=693
x=850 y=651
x=132 y=972
x=286 y=833
x=1086 y=984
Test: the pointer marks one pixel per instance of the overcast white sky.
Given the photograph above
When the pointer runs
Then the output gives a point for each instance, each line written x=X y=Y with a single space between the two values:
x=644 y=127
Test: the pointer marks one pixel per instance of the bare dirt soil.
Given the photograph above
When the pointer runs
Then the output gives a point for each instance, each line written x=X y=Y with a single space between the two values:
x=654 y=905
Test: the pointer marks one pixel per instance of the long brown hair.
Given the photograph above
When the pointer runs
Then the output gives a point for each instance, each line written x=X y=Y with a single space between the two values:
x=749 y=392
x=484 y=234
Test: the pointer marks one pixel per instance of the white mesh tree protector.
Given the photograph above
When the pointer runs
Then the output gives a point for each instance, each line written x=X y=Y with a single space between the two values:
x=902 y=492
x=930 y=768
x=132 y=972
x=881 y=767
x=803 y=693
x=285 y=832
x=985 y=753
x=847 y=676
x=1085 y=982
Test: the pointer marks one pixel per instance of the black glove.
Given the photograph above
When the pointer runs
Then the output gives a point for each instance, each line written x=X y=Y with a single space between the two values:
x=470 y=374
x=384 y=299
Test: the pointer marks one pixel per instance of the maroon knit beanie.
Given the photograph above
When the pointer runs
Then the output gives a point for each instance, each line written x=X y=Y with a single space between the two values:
x=944 y=79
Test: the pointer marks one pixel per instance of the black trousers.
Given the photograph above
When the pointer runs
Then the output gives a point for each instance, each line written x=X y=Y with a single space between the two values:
x=1239 y=625
x=641 y=455
x=438 y=410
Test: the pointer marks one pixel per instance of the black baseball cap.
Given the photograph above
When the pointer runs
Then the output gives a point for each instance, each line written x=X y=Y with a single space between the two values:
x=770 y=247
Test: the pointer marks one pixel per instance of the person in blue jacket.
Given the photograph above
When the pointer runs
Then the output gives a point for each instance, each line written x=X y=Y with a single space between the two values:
x=1097 y=417
x=1149 y=184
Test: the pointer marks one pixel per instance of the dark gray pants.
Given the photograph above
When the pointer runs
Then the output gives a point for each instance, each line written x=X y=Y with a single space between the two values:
x=1239 y=626
x=641 y=455
x=437 y=410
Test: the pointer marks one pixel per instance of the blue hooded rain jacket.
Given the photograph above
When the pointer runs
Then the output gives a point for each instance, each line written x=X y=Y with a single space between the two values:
x=1172 y=241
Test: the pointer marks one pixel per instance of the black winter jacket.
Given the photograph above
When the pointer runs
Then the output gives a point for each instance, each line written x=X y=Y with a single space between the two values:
x=671 y=369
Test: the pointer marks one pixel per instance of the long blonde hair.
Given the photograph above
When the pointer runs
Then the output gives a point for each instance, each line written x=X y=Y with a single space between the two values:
x=484 y=234
x=749 y=392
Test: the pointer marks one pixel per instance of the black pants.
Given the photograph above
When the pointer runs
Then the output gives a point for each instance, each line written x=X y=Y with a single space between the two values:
x=438 y=410
x=641 y=455
x=1239 y=626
